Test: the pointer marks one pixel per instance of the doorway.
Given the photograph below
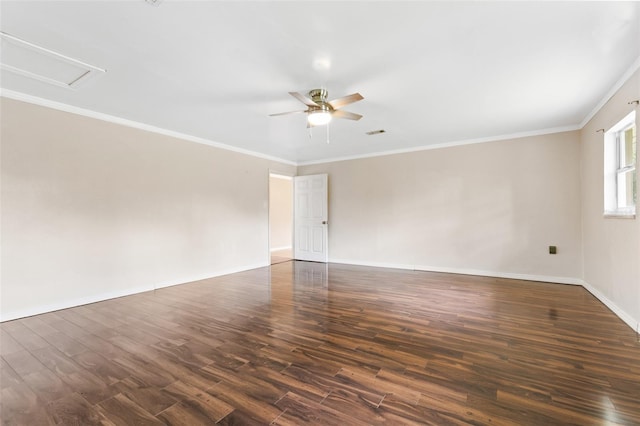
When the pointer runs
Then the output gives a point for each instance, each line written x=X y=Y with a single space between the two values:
x=280 y=218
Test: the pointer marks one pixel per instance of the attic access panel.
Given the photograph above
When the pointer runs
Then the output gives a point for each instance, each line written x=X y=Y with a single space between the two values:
x=30 y=60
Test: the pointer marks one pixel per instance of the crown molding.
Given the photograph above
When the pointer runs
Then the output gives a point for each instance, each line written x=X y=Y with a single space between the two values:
x=446 y=144
x=621 y=81
x=19 y=96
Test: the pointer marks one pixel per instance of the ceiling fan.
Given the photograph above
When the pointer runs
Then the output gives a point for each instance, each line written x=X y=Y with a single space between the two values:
x=320 y=111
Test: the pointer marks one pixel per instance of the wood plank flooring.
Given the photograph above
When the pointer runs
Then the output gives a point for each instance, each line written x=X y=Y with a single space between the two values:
x=307 y=343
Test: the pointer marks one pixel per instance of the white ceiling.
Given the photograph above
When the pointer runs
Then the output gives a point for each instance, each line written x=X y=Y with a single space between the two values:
x=430 y=72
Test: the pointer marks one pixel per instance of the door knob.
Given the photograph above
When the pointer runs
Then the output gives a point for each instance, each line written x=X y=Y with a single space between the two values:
x=324 y=222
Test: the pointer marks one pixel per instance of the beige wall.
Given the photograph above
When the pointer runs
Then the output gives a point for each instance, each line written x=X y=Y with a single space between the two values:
x=611 y=246
x=92 y=210
x=280 y=212
x=490 y=208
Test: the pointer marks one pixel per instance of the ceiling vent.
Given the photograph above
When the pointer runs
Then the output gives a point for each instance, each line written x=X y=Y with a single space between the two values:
x=33 y=61
x=376 y=132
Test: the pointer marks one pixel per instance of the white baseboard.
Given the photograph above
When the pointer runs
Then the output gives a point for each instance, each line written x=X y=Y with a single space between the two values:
x=374 y=264
x=496 y=274
x=212 y=274
x=281 y=248
x=42 y=309
x=628 y=319
x=527 y=277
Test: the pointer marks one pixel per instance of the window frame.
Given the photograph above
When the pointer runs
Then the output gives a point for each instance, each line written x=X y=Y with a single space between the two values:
x=614 y=170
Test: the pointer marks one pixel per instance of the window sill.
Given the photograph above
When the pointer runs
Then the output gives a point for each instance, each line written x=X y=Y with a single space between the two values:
x=619 y=215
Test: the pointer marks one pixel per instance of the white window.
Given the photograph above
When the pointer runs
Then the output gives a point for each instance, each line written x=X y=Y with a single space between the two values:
x=620 y=182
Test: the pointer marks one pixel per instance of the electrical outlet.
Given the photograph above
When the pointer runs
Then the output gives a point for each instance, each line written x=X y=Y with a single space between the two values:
x=553 y=250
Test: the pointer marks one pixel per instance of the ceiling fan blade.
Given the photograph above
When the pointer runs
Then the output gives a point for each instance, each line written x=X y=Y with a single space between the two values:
x=345 y=114
x=302 y=98
x=285 y=113
x=345 y=100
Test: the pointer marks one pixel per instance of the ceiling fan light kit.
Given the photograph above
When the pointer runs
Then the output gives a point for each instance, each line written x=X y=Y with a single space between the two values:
x=320 y=111
x=319 y=118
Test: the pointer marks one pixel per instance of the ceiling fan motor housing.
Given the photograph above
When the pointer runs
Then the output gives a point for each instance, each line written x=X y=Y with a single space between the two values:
x=319 y=96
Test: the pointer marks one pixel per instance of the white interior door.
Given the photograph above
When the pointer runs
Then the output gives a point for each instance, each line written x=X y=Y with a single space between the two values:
x=311 y=218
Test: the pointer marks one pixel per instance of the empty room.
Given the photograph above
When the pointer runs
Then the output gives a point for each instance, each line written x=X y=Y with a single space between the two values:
x=319 y=212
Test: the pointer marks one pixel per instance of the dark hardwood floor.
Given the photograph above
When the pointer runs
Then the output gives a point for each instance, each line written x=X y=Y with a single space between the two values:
x=302 y=343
